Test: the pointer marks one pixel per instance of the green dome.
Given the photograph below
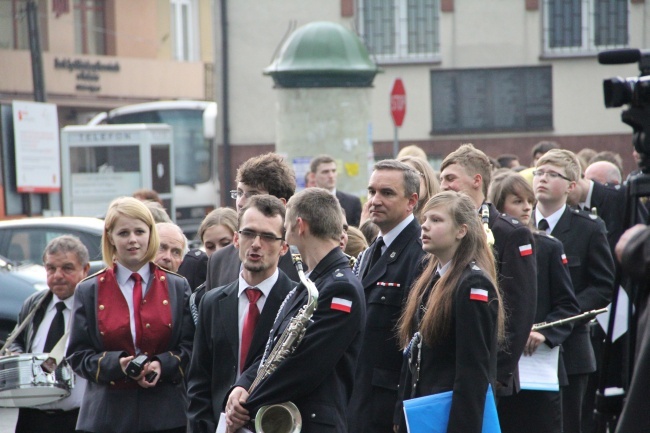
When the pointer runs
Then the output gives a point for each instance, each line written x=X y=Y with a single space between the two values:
x=323 y=54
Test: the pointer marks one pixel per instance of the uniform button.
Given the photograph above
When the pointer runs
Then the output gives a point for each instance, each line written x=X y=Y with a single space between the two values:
x=144 y=301
x=102 y=279
x=165 y=302
x=101 y=307
x=102 y=333
x=313 y=415
x=146 y=353
x=162 y=278
x=169 y=324
x=147 y=326
x=112 y=383
x=383 y=298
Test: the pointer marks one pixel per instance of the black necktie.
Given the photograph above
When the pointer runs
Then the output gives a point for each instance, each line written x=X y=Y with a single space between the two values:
x=57 y=328
x=376 y=254
x=543 y=225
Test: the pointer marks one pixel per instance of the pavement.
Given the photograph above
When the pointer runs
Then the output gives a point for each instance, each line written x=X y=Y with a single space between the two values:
x=8 y=417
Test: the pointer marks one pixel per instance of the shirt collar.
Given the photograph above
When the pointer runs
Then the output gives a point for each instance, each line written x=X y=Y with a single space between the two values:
x=392 y=235
x=69 y=302
x=442 y=270
x=123 y=274
x=265 y=286
x=552 y=219
x=587 y=203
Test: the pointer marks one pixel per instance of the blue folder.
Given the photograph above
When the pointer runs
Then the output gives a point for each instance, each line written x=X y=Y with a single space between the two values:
x=430 y=414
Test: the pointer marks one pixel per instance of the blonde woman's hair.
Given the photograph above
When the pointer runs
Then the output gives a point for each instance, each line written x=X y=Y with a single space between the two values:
x=473 y=247
x=131 y=208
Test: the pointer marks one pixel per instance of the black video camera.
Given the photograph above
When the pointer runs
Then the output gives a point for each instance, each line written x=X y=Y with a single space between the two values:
x=135 y=366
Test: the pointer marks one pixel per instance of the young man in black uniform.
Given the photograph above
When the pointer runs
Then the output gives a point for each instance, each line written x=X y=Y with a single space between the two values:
x=318 y=376
x=468 y=170
x=387 y=273
x=590 y=264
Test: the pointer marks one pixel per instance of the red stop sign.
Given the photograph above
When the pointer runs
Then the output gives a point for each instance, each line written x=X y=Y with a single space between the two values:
x=398 y=102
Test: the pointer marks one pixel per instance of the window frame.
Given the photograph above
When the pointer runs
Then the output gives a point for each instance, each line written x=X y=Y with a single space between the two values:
x=401 y=27
x=588 y=24
x=188 y=28
x=82 y=7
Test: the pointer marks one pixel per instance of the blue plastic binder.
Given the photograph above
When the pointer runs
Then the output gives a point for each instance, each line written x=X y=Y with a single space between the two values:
x=430 y=414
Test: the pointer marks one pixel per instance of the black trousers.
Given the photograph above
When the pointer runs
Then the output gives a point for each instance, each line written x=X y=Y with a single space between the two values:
x=531 y=412
x=46 y=421
x=572 y=397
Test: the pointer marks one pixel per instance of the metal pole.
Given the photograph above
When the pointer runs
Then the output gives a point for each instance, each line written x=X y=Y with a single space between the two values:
x=225 y=108
x=395 y=144
x=35 y=50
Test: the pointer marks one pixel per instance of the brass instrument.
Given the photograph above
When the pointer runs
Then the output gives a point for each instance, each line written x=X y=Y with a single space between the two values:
x=485 y=219
x=285 y=417
x=586 y=315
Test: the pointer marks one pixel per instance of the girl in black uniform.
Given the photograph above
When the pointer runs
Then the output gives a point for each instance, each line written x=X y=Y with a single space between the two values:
x=456 y=307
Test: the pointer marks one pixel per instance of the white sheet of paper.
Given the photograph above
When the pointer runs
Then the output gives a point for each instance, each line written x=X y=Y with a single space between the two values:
x=221 y=426
x=539 y=371
x=620 y=320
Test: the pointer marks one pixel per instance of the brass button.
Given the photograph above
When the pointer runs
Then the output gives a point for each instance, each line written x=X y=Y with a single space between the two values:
x=112 y=383
x=144 y=301
x=146 y=353
x=147 y=326
x=165 y=302
x=170 y=325
x=162 y=278
x=102 y=279
x=102 y=333
x=101 y=307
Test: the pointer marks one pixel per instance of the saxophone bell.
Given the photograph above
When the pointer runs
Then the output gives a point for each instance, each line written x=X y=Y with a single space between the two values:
x=278 y=418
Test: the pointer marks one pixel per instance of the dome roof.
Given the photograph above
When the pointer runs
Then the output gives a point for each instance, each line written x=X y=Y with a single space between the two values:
x=323 y=54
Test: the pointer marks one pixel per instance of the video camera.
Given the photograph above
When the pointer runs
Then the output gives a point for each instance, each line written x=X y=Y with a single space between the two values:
x=633 y=91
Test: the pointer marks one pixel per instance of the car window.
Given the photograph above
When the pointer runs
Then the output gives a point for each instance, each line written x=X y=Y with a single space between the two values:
x=28 y=244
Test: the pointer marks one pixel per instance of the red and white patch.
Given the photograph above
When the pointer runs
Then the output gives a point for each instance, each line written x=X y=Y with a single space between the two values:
x=525 y=250
x=381 y=283
x=564 y=259
x=478 y=295
x=341 y=305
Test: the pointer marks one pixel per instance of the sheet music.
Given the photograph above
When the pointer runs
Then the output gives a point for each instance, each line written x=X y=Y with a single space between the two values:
x=539 y=371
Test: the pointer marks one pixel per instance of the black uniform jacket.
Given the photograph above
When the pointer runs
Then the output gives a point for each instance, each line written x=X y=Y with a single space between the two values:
x=592 y=273
x=213 y=369
x=194 y=267
x=24 y=340
x=318 y=376
x=132 y=410
x=636 y=263
x=386 y=286
x=224 y=267
x=352 y=206
x=555 y=297
x=517 y=270
x=463 y=361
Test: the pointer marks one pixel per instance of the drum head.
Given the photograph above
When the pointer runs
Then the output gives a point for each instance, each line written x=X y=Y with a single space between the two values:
x=23 y=383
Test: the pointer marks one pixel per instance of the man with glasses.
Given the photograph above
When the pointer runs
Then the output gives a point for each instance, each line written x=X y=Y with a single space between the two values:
x=235 y=320
x=468 y=170
x=264 y=174
x=590 y=263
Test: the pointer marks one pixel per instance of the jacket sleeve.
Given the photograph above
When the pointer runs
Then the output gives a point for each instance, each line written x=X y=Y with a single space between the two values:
x=636 y=256
x=600 y=272
x=518 y=282
x=563 y=301
x=85 y=354
x=475 y=324
x=19 y=345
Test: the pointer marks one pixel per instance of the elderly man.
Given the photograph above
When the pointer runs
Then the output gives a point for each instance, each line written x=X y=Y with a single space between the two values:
x=604 y=172
x=173 y=246
x=66 y=263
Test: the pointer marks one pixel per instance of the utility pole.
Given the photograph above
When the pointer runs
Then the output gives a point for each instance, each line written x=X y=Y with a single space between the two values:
x=35 y=50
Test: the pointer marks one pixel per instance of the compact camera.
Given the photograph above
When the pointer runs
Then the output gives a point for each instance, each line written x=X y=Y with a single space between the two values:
x=134 y=368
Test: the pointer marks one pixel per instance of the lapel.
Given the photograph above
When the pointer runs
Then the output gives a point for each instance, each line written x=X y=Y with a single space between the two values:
x=392 y=254
x=494 y=214
x=563 y=225
x=228 y=307
x=277 y=294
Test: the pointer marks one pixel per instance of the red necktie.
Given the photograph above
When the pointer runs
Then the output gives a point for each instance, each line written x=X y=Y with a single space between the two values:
x=137 y=302
x=250 y=322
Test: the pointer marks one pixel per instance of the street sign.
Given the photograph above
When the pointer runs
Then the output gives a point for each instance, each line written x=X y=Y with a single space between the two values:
x=398 y=102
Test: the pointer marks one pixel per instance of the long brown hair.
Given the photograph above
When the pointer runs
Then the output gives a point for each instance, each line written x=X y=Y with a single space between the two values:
x=473 y=247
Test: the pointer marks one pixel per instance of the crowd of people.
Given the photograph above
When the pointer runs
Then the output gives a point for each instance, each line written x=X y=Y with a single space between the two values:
x=434 y=283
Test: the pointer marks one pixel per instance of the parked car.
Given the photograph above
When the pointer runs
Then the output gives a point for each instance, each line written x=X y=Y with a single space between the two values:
x=16 y=285
x=22 y=241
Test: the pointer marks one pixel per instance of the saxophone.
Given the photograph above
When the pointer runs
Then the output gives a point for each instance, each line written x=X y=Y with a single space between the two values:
x=285 y=417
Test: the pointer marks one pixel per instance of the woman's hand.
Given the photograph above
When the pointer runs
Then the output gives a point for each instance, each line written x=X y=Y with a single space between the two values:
x=236 y=414
x=124 y=362
x=153 y=366
x=534 y=340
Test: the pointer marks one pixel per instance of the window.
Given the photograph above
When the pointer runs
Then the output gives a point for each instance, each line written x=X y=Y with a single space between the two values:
x=89 y=26
x=400 y=30
x=574 y=26
x=14 y=34
x=184 y=22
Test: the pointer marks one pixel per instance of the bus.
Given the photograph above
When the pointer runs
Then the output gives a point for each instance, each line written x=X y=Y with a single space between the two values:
x=196 y=186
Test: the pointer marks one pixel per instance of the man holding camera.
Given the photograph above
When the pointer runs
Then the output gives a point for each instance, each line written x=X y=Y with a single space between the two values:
x=66 y=263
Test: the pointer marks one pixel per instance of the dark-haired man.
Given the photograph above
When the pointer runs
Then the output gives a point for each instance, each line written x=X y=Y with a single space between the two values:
x=323 y=170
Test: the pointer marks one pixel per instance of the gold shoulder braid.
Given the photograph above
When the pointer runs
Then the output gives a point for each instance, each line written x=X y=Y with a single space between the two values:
x=485 y=219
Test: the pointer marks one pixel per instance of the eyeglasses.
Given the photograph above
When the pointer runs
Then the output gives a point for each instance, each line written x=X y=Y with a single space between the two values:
x=235 y=194
x=250 y=235
x=550 y=174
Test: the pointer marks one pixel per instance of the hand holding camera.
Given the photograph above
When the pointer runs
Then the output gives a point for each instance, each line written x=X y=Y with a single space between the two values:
x=141 y=369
